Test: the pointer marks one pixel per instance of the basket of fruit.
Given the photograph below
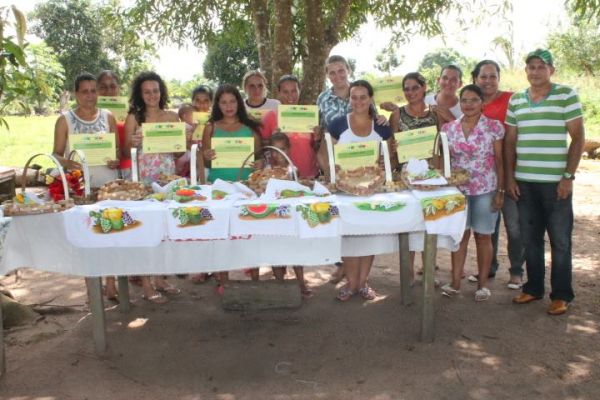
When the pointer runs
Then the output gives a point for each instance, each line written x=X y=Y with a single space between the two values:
x=61 y=186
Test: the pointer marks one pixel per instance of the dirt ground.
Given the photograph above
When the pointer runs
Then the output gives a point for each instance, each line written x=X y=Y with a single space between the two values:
x=191 y=349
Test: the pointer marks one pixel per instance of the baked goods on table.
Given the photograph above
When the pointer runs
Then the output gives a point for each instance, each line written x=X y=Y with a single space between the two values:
x=362 y=181
x=458 y=176
x=257 y=181
x=121 y=189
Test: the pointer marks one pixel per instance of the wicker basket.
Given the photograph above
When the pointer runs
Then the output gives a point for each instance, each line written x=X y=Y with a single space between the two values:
x=261 y=187
x=12 y=208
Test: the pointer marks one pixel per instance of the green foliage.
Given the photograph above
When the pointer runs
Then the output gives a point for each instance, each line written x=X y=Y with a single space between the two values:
x=12 y=59
x=387 y=60
x=44 y=76
x=72 y=29
x=231 y=53
x=181 y=92
x=578 y=48
x=432 y=63
x=91 y=37
x=127 y=51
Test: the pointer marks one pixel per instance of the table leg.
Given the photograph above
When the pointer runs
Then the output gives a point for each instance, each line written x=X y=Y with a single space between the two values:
x=124 y=305
x=427 y=317
x=97 y=308
x=2 y=355
x=405 y=278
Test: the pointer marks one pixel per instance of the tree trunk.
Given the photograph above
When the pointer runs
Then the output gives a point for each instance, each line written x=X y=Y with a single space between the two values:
x=261 y=17
x=313 y=79
x=282 y=41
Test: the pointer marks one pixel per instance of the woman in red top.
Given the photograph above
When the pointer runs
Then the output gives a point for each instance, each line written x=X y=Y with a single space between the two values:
x=486 y=75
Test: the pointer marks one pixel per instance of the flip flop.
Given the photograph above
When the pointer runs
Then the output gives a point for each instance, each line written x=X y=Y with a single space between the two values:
x=367 y=293
x=345 y=294
x=114 y=299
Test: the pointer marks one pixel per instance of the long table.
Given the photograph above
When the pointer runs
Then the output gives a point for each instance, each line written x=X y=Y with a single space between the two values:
x=44 y=242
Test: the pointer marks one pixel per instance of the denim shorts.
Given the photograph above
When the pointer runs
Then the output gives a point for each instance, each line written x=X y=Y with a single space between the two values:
x=481 y=217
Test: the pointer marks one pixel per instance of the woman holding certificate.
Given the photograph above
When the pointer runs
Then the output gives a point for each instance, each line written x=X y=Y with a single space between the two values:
x=230 y=127
x=87 y=119
x=475 y=143
x=228 y=121
x=147 y=105
x=358 y=126
x=416 y=114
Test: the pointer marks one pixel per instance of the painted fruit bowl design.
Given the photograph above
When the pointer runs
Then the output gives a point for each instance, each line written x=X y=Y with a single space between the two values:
x=189 y=216
x=264 y=211
x=439 y=207
x=318 y=213
x=111 y=220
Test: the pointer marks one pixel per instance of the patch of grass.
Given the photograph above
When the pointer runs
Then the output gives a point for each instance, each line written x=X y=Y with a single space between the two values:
x=26 y=136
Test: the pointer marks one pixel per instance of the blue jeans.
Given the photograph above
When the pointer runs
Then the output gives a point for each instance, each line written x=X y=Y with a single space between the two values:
x=541 y=211
x=516 y=251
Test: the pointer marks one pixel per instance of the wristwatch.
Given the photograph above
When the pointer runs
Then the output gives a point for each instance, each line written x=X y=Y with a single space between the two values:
x=568 y=175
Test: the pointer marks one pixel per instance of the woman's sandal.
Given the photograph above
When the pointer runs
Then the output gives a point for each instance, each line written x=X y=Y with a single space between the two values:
x=367 y=293
x=156 y=298
x=345 y=294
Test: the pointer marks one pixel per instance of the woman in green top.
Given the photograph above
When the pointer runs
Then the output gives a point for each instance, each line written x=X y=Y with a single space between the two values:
x=229 y=119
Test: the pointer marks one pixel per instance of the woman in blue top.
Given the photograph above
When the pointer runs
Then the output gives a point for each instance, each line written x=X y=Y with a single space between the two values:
x=229 y=119
x=358 y=126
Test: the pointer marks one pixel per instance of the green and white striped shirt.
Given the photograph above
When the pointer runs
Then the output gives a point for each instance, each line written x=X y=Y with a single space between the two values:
x=542 y=132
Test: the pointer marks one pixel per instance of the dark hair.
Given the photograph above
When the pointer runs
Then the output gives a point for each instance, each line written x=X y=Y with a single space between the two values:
x=365 y=84
x=217 y=115
x=336 y=58
x=137 y=106
x=280 y=137
x=288 y=78
x=82 y=77
x=477 y=69
x=202 y=89
x=414 y=76
x=453 y=68
x=105 y=73
x=471 y=88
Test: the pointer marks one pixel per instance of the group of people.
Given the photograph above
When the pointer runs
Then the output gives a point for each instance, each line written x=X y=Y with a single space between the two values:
x=514 y=146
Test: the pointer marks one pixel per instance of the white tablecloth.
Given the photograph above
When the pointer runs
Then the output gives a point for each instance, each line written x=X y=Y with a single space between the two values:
x=41 y=242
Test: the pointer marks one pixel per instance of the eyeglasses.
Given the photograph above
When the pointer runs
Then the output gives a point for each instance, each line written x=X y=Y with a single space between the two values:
x=412 y=88
x=470 y=101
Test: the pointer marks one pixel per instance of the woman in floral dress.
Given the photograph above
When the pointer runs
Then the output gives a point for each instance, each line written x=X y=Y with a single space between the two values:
x=475 y=143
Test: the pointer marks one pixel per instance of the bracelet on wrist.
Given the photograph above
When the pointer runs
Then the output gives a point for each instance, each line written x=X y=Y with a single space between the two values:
x=500 y=191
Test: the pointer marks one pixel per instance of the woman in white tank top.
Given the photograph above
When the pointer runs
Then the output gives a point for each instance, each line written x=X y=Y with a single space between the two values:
x=85 y=118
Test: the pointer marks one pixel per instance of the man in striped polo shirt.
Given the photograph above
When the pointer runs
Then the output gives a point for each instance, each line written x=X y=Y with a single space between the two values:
x=540 y=169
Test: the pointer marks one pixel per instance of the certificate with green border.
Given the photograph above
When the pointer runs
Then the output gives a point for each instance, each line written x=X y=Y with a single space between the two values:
x=98 y=148
x=356 y=155
x=297 y=118
x=118 y=106
x=163 y=137
x=257 y=114
x=388 y=89
x=416 y=143
x=200 y=118
x=231 y=152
